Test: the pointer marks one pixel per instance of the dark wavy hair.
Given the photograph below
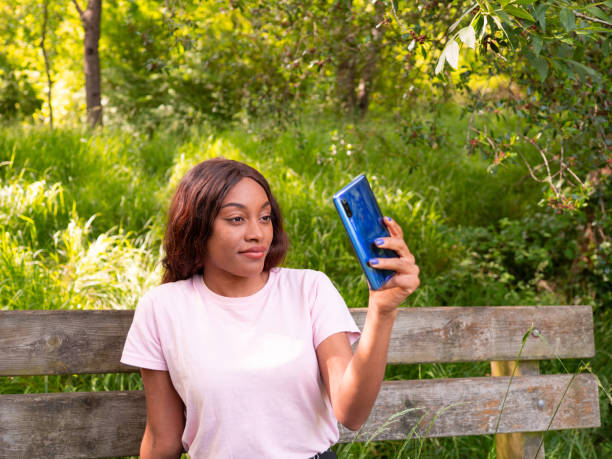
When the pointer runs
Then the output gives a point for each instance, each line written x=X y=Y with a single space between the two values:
x=194 y=207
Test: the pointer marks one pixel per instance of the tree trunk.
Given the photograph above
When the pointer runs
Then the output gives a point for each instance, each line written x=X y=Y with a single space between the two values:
x=357 y=64
x=370 y=68
x=90 y=18
x=345 y=83
x=47 y=63
x=344 y=47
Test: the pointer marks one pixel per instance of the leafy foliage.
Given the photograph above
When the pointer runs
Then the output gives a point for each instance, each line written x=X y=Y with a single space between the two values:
x=18 y=98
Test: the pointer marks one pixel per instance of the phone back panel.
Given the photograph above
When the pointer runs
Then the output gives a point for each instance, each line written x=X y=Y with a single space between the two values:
x=362 y=220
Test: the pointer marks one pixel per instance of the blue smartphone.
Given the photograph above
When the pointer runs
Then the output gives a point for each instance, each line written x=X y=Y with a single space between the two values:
x=363 y=223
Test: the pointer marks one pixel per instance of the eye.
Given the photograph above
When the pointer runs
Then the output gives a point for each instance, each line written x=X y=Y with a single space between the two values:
x=266 y=218
x=234 y=219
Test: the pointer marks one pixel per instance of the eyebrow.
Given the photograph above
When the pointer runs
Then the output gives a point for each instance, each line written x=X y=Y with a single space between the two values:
x=242 y=206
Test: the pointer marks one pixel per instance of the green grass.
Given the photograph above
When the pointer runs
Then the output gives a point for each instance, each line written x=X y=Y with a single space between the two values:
x=82 y=216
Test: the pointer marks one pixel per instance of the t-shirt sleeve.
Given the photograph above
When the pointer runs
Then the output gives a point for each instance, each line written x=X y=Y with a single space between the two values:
x=143 y=346
x=329 y=313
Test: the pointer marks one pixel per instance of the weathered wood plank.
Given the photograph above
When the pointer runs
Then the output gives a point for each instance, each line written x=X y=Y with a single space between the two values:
x=471 y=406
x=72 y=342
x=63 y=342
x=472 y=334
x=102 y=424
x=71 y=425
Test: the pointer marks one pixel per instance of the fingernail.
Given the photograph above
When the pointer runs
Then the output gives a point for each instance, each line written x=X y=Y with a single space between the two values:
x=379 y=241
x=373 y=261
x=388 y=219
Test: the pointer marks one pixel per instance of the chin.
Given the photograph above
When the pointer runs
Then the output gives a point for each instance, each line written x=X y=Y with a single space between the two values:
x=251 y=271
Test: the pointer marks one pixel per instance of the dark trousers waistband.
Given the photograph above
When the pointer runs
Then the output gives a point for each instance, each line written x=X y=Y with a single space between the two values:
x=329 y=454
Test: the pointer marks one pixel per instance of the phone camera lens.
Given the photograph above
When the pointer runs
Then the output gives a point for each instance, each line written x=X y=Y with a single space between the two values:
x=347 y=208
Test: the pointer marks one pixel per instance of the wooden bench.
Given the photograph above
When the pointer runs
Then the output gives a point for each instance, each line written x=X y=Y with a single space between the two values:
x=103 y=424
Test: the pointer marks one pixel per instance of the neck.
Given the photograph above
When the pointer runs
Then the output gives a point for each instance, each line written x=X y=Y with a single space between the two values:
x=234 y=286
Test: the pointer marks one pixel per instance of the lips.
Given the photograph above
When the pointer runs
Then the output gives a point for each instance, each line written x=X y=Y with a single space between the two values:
x=254 y=252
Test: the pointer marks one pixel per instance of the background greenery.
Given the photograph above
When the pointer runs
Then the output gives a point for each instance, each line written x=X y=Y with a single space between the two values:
x=498 y=170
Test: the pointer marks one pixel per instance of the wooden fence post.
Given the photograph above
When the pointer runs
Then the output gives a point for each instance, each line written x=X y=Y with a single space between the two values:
x=518 y=445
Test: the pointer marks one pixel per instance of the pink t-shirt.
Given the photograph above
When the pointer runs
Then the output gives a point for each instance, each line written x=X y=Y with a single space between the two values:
x=245 y=368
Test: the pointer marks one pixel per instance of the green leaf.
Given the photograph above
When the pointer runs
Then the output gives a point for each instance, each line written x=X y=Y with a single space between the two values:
x=518 y=13
x=597 y=13
x=504 y=17
x=568 y=20
x=478 y=24
x=584 y=70
x=539 y=63
x=593 y=28
x=537 y=43
x=540 y=12
x=564 y=51
x=541 y=66
x=563 y=67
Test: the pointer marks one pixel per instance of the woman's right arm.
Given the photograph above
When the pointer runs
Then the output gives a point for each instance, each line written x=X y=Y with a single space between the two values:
x=165 y=417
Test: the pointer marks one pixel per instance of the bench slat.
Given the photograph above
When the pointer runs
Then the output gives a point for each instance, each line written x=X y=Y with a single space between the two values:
x=473 y=334
x=71 y=425
x=63 y=342
x=73 y=342
x=471 y=406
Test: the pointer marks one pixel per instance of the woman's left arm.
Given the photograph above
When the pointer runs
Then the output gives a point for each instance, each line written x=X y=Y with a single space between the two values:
x=353 y=380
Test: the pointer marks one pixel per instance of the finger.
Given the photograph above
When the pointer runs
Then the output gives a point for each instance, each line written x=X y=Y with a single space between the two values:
x=393 y=227
x=407 y=282
x=399 y=265
x=396 y=244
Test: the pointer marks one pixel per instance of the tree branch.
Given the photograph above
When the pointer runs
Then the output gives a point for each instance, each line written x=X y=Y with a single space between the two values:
x=531 y=172
x=78 y=8
x=549 y=178
x=561 y=163
x=603 y=214
x=575 y=176
x=589 y=18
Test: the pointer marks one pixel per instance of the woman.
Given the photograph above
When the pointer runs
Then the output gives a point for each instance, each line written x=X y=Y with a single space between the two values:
x=240 y=358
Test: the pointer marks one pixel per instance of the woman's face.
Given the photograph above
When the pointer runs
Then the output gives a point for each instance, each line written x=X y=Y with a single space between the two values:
x=242 y=233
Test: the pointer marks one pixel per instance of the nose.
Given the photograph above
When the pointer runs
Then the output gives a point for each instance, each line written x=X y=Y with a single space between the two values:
x=254 y=231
